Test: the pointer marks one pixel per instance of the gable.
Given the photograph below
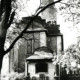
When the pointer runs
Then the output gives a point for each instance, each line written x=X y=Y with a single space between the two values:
x=36 y=25
x=40 y=24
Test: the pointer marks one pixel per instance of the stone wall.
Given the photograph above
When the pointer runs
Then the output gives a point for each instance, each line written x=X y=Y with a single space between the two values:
x=55 y=44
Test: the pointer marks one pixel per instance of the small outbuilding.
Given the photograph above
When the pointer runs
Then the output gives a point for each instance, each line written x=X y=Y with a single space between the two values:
x=40 y=64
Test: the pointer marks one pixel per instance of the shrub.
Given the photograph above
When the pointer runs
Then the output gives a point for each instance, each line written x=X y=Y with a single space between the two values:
x=16 y=76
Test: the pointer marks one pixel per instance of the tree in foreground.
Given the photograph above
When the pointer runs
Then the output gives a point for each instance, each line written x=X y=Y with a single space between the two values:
x=70 y=59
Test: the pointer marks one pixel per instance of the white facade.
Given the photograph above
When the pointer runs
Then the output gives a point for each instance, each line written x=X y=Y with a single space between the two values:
x=43 y=39
x=59 y=43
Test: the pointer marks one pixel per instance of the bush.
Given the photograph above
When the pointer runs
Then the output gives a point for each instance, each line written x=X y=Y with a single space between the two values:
x=16 y=76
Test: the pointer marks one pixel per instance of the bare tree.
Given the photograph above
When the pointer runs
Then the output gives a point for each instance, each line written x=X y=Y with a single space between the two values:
x=70 y=11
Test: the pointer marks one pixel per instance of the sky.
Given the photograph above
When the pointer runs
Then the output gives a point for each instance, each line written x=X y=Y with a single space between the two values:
x=69 y=33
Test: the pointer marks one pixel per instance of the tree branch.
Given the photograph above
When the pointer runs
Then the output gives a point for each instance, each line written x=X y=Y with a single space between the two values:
x=11 y=19
x=6 y=15
x=31 y=20
x=1 y=7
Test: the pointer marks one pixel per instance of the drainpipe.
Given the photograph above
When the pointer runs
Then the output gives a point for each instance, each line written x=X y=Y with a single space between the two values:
x=27 y=67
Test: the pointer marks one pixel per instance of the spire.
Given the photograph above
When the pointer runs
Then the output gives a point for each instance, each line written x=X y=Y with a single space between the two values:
x=50 y=13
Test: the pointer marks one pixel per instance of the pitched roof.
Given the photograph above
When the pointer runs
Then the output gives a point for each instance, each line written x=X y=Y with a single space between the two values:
x=45 y=49
x=41 y=53
x=51 y=27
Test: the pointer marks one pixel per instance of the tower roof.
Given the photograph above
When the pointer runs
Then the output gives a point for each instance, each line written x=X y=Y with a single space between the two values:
x=50 y=13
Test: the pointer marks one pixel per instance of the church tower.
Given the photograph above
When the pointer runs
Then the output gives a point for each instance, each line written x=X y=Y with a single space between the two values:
x=50 y=13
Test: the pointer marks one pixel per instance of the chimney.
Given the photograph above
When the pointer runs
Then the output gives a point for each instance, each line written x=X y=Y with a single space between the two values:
x=50 y=13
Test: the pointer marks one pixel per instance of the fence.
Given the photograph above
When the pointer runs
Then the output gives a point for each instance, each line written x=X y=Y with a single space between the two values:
x=41 y=77
x=71 y=75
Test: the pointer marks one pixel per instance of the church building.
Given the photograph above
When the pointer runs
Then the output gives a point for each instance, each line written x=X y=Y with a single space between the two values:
x=34 y=52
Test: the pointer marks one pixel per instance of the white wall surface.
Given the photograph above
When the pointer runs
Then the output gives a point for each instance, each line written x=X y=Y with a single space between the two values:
x=59 y=44
x=50 y=73
x=42 y=39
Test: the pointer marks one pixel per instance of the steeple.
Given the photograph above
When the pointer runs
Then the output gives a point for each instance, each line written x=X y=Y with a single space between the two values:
x=50 y=13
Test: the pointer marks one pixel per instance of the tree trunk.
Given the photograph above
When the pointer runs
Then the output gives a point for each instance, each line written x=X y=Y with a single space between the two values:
x=2 y=52
x=1 y=59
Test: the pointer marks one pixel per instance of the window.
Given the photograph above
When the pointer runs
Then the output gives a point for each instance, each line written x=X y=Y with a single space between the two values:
x=29 y=46
x=41 y=67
